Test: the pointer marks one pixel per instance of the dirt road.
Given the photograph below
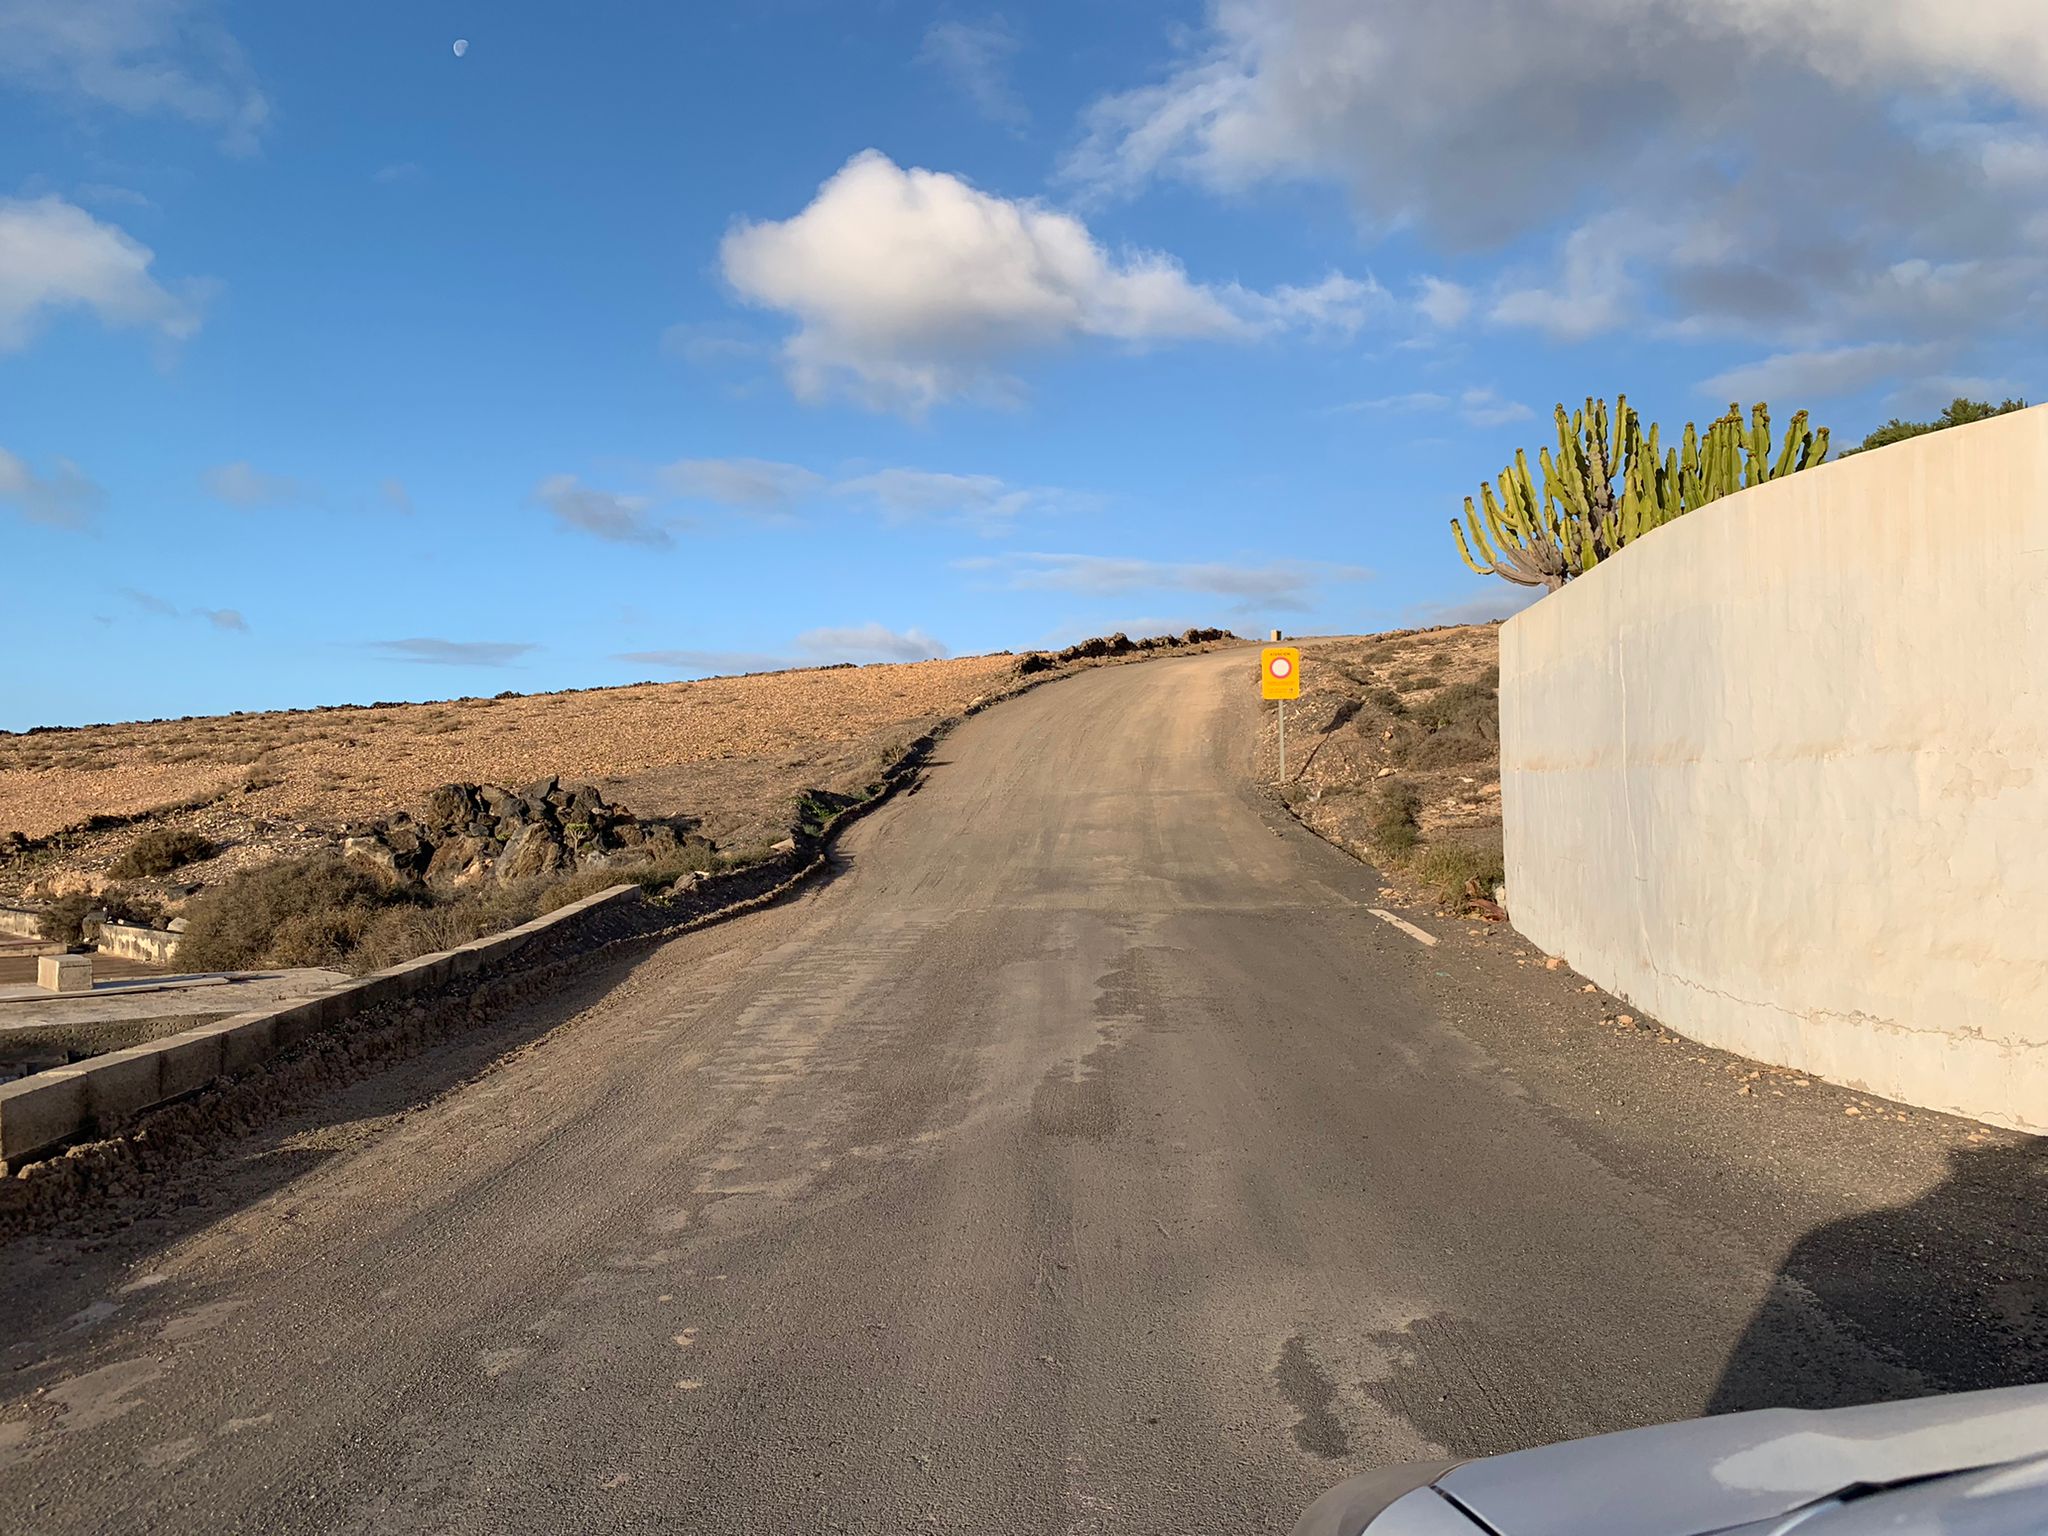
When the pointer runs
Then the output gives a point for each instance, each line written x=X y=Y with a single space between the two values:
x=1084 y=1157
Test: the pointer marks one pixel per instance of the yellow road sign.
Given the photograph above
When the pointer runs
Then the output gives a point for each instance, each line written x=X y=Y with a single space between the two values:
x=1280 y=672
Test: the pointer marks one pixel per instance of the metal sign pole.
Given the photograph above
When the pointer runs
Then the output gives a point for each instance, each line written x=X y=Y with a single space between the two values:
x=1281 y=705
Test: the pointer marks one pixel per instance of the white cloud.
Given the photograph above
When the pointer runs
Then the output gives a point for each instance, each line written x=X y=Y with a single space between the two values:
x=1926 y=394
x=815 y=647
x=1595 y=288
x=229 y=619
x=1481 y=406
x=705 y=663
x=771 y=488
x=706 y=345
x=607 y=514
x=1414 y=400
x=109 y=194
x=869 y=642
x=1499 y=601
x=145 y=57
x=66 y=497
x=916 y=495
x=975 y=56
x=55 y=256
x=1997 y=44
x=243 y=485
x=910 y=287
x=149 y=602
x=1486 y=408
x=753 y=485
x=1776 y=185
x=428 y=650
x=1467 y=111
x=1336 y=306
x=1444 y=304
x=1281 y=584
x=1796 y=378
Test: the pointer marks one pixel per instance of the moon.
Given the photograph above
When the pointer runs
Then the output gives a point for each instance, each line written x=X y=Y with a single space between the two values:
x=461 y=46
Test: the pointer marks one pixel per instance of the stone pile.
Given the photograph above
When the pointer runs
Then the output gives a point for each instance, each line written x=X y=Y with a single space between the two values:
x=467 y=834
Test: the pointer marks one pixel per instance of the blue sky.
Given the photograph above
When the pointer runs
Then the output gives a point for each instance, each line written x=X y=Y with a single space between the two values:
x=648 y=340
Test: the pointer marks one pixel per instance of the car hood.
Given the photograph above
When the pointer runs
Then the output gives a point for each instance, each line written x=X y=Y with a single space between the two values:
x=1709 y=1474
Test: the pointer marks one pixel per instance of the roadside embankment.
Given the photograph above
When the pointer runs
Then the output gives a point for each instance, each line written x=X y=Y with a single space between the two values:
x=1393 y=754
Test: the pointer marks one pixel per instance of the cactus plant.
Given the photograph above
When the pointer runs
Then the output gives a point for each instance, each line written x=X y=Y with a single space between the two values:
x=1582 y=516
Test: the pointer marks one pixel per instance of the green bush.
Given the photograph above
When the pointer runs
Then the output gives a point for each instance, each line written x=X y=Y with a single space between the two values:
x=162 y=850
x=1393 y=826
x=1450 y=868
x=1960 y=412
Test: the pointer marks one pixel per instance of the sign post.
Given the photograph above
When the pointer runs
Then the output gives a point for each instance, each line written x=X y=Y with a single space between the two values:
x=1280 y=680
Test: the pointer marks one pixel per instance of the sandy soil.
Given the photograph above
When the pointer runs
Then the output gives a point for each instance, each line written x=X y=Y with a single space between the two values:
x=732 y=752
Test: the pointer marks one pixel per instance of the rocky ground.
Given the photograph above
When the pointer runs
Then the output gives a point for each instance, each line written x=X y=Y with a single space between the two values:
x=1414 y=708
x=730 y=754
x=466 y=834
x=474 y=792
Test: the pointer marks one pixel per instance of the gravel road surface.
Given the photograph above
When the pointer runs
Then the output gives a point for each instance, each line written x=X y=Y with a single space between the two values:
x=1083 y=1157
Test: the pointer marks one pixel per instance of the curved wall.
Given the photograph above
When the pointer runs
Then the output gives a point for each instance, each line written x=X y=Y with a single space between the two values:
x=1778 y=774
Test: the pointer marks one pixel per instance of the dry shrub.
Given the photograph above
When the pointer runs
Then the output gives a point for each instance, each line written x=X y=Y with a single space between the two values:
x=161 y=850
x=63 y=920
x=1461 y=724
x=310 y=911
x=322 y=911
x=1394 y=826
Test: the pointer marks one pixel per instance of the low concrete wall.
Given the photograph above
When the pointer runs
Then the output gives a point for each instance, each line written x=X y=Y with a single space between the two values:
x=17 y=924
x=152 y=946
x=97 y=1097
x=1778 y=774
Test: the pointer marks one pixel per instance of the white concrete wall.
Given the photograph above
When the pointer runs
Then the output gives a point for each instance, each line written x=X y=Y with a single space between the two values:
x=1779 y=773
x=149 y=945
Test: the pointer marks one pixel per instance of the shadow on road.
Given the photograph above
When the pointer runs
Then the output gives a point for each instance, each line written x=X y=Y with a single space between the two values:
x=1947 y=1293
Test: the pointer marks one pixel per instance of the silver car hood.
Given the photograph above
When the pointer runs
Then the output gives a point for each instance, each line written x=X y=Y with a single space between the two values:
x=1712 y=1474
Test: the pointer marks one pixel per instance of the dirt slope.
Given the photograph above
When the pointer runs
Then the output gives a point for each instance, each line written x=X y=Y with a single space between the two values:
x=732 y=752
x=1415 y=710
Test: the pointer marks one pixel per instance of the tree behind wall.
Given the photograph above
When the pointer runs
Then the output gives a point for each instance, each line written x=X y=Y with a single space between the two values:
x=1959 y=412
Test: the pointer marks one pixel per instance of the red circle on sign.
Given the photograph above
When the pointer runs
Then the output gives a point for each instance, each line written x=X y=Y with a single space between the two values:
x=1281 y=666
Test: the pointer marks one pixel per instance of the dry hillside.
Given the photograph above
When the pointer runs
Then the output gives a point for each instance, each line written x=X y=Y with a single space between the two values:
x=1393 y=752
x=732 y=753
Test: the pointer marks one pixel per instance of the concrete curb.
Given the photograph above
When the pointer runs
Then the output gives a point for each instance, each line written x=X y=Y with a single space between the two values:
x=100 y=1096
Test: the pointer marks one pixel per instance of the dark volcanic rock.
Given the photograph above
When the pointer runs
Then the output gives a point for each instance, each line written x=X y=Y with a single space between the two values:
x=467 y=833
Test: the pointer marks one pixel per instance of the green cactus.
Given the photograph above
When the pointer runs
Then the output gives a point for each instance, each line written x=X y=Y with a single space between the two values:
x=1582 y=519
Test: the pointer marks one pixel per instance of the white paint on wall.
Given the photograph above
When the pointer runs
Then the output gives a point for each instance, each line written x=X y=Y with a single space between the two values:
x=1778 y=774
